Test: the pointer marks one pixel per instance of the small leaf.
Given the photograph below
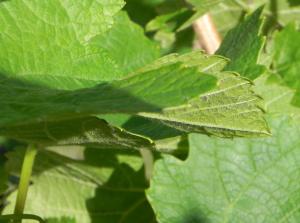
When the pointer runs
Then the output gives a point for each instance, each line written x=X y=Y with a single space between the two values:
x=286 y=61
x=242 y=45
x=286 y=51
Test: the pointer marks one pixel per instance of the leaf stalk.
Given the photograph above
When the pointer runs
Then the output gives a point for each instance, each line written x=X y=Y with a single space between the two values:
x=26 y=172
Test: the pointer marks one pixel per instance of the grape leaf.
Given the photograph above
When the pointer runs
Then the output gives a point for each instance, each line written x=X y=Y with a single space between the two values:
x=141 y=11
x=236 y=176
x=222 y=111
x=165 y=26
x=105 y=187
x=141 y=92
x=138 y=49
x=38 y=92
x=286 y=58
x=277 y=97
x=67 y=78
x=253 y=180
x=53 y=39
x=88 y=131
x=243 y=44
x=230 y=109
x=160 y=22
x=286 y=55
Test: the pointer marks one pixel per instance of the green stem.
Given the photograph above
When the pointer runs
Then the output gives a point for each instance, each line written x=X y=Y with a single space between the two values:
x=25 y=180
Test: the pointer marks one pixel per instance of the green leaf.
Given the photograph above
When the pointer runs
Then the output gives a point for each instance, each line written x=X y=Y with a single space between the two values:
x=52 y=40
x=294 y=2
x=61 y=220
x=228 y=13
x=42 y=92
x=230 y=109
x=253 y=180
x=141 y=11
x=286 y=60
x=64 y=76
x=167 y=25
x=138 y=50
x=277 y=97
x=3 y=174
x=243 y=44
x=200 y=4
x=148 y=89
x=88 y=131
x=286 y=55
x=160 y=22
x=105 y=187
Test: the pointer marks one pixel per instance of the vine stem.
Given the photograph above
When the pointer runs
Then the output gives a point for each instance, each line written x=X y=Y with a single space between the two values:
x=208 y=36
x=26 y=171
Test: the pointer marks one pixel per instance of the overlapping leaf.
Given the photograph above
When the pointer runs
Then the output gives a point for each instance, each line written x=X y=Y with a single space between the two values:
x=254 y=180
x=230 y=109
x=148 y=90
x=278 y=98
x=242 y=45
x=257 y=178
x=62 y=77
x=286 y=60
x=73 y=74
x=105 y=187
x=88 y=131
x=228 y=13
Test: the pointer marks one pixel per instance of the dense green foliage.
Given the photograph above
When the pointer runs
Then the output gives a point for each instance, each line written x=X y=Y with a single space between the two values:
x=106 y=89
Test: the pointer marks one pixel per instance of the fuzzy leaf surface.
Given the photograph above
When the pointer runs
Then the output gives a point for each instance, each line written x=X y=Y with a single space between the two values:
x=88 y=131
x=230 y=109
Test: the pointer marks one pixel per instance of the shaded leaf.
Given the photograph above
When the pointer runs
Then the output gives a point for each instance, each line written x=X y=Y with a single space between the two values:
x=81 y=131
x=60 y=220
x=3 y=175
x=105 y=187
x=67 y=82
x=142 y=91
